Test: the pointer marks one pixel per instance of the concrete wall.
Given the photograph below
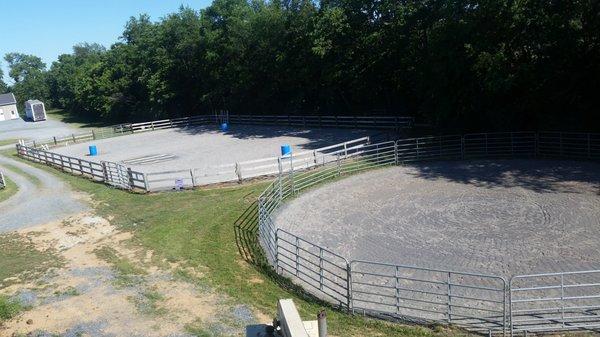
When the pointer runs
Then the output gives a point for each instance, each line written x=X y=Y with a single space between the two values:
x=8 y=112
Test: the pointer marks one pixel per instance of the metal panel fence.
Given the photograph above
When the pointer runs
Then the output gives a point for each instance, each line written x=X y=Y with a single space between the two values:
x=483 y=303
x=555 y=301
x=471 y=300
x=314 y=267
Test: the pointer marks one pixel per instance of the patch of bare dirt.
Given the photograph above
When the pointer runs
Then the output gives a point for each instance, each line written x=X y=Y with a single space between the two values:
x=90 y=296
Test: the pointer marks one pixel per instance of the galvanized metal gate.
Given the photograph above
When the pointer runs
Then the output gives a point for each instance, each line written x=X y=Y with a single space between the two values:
x=116 y=175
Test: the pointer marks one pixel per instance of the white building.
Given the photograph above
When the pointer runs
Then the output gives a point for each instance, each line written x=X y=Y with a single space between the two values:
x=35 y=110
x=8 y=107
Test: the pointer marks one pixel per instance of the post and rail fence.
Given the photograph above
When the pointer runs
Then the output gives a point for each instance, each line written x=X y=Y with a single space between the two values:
x=356 y=122
x=483 y=303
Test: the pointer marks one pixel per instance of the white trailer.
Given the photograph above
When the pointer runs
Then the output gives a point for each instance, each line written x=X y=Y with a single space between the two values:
x=35 y=110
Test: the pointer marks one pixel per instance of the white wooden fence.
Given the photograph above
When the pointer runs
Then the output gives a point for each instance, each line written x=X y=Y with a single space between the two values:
x=102 y=172
x=357 y=122
x=245 y=170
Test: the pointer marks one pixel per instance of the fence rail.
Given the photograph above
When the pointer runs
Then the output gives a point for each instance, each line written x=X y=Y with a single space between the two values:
x=483 y=303
x=359 y=122
x=127 y=179
x=250 y=169
x=475 y=301
x=555 y=301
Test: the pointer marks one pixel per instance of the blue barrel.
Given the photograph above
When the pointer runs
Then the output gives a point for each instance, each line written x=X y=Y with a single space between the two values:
x=224 y=127
x=93 y=150
x=286 y=150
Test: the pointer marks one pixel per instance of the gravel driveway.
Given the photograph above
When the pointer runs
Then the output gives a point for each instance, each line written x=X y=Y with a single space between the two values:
x=36 y=203
x=20 y=129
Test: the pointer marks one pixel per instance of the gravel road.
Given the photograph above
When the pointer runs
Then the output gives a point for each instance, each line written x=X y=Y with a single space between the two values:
x=20 y=129
x=36 y=203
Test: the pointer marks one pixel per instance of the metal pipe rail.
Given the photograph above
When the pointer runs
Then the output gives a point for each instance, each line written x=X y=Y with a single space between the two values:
x=477 y=302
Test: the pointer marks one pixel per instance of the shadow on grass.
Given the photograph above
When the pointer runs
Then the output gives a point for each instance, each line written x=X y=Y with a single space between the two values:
x=246 y=236
x=84 y=121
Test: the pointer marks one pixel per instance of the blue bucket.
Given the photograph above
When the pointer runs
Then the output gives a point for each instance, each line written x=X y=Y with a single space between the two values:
x=224 y=127
x=286 y=150
x=93 y=150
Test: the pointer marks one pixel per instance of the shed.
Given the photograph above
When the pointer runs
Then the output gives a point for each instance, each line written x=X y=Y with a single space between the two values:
x=35 y=110
x=8 y=107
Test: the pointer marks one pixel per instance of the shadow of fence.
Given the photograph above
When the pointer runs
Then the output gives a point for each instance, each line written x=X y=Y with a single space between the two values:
x=249 y=248
x=246 y=237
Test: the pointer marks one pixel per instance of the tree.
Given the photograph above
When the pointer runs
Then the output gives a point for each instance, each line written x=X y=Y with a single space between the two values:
x=28 y=73
x=465 y=65
x=3 y=86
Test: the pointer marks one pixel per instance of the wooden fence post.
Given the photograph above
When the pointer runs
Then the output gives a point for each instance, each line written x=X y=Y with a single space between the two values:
x=130 y=176
x=193 y=179
x=146 y=185
x=238 y=172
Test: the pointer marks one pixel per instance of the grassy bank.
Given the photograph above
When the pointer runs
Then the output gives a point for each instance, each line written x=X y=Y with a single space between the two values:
x=196 y=229
x=8 y=191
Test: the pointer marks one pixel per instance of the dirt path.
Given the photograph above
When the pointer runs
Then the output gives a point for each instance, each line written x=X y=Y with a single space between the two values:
x=109 y=287
x=41 y=198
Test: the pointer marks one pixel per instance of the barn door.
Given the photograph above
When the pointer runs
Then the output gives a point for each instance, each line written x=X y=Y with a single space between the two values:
x=116 y=175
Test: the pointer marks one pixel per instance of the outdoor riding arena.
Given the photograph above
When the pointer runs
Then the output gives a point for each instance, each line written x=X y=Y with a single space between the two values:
x=497 y=233
x=195 y=151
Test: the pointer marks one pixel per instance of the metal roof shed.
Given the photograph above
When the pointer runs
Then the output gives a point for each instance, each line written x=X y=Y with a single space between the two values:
x=35 y=110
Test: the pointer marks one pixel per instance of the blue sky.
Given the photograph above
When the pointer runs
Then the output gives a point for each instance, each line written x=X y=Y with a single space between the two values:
x=48 y=28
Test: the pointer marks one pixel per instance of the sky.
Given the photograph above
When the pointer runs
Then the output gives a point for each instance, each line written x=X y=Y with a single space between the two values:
x=48 y=28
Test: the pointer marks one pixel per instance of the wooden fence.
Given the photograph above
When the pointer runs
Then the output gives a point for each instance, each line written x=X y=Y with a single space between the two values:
x=356 y=122
x=103 y=172
x=245 y=170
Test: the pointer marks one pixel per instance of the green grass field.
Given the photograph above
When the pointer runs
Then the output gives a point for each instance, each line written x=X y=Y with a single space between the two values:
x=9 y=190
x=196 y=229
x=73 y=120
x=12 y=141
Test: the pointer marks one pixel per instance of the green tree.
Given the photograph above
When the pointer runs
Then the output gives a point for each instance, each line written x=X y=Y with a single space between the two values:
x=28 y=73
x=3 y=86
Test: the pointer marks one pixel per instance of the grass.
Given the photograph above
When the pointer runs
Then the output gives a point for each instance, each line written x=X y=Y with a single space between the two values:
x=128 y=274
x=148 y=303
x=4 y=142
x=196 y=229
x=9 y=308
x=9 y=190
x=74 y=120
x=21 y=261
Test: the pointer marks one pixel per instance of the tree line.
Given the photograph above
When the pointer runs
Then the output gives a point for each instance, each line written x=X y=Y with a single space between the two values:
x=457 y=65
